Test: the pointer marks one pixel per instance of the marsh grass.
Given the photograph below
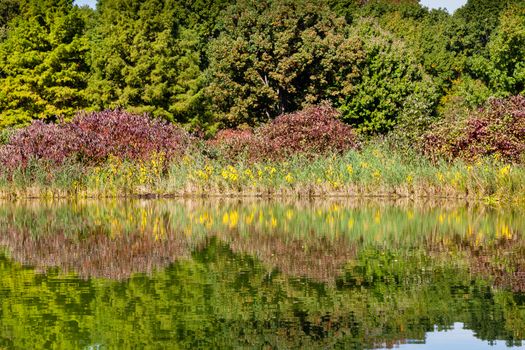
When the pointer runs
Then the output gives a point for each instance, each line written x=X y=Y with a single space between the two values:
x=374 y=170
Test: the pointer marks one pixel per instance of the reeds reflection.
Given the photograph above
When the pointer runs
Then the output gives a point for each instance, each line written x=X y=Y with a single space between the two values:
x=314 y=239
x=256 y=274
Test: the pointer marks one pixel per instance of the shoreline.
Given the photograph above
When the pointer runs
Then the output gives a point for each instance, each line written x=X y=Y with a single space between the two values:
x=56 y=194
x=374 y=171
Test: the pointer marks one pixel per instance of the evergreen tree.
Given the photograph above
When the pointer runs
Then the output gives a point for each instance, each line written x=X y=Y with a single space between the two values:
x=43 y=69
x=143 y=60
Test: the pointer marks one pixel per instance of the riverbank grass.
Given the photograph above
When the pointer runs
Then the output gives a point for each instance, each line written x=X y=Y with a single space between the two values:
x=374 y=170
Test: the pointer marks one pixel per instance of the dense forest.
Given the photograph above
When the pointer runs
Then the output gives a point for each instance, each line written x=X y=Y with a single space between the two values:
x=210 y=64
x=275 y=96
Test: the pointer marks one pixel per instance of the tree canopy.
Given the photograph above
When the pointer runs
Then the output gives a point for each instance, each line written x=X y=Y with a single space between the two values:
x=43 y=63
x=273 y=57
x=210 y=63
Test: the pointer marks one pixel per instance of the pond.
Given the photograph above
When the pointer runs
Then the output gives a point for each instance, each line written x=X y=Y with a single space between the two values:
x=253 y=273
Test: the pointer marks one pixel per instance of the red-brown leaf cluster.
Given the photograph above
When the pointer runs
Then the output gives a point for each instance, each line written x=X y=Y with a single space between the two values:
x=312 y=131
x=235 y=143
x=495 y=130
x=93 y=137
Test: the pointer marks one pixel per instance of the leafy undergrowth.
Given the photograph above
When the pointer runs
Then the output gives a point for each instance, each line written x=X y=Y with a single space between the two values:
x=93 y=138
x=497 y=131
x=372 y=170
x=308 y=153
x=314 y=131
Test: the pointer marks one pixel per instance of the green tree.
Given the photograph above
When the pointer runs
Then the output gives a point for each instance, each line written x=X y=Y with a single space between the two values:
x=504 y=69
x=273 y=57
x=392 y=85
x=500 y=70
x=432 y=39
x=479 y=18
x=378 y=8
x=8 y=10
x=143 y=60
x=202 y=16
x=43 y=68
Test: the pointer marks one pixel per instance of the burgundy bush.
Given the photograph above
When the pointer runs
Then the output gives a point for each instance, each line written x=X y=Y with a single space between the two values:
x=92 y=137
x=312 y=131
x=234 y=143
x=38 y=141
x=126 y=136
x=498 y=129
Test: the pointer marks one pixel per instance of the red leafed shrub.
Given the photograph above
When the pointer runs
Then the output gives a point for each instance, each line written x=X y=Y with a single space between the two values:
x=495 y=130
x=92 y=138
x=38 y=141
x=312 y=131
x=126 y=136
x=233 y=143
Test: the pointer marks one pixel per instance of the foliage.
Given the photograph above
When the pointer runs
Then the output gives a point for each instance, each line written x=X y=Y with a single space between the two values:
x=8 y=10
x=202 y=16
x=479 y=18
x=313 y=131
x=92 y=138
x=143 y=60
x=464 y=92
x=43 y=64
x=5 y=135
x=38 y=141
x=498 y=130
x=234 y=144
x=377 y=8
x=375 y=169
x=274 y=57
x=433 y=41
x=391 y=85
x=503 y=70
x=390 y=66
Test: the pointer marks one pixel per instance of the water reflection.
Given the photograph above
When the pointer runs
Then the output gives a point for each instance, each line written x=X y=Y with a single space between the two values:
x=114 y=239
x=257 y=274
x=463 y=338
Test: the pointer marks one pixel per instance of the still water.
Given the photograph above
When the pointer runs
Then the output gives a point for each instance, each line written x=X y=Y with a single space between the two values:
x=255 y=274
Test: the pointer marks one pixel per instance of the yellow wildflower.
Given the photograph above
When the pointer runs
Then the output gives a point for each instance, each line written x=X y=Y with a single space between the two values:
x=209 y=169
x=248 y=173
x=505 y=171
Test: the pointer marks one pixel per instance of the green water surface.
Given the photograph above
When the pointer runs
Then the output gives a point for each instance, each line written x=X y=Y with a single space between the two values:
x=256 y=274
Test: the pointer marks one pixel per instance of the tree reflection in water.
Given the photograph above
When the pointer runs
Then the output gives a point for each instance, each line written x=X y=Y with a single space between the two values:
x=232 y=274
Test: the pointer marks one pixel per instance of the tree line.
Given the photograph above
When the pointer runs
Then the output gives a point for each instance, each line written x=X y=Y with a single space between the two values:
x=210 y=64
